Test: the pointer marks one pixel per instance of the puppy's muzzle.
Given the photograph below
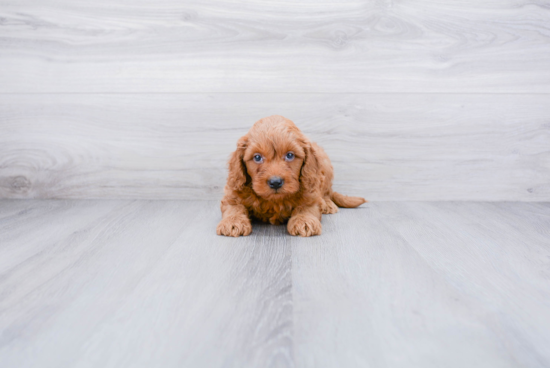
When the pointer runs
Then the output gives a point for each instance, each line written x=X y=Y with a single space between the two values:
x=275 y=182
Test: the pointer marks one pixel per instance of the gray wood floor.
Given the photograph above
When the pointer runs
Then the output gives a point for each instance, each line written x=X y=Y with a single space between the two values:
x=121 y=283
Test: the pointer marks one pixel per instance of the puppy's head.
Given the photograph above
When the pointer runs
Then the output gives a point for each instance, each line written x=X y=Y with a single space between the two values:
x=275 y=158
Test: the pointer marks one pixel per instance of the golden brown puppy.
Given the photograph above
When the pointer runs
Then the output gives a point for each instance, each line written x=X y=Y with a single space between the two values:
x=277 y=174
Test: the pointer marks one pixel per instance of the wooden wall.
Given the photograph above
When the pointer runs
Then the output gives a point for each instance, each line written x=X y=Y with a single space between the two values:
x=413 y=100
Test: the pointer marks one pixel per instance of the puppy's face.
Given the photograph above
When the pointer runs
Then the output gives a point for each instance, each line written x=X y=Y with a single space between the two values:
x=273 y=162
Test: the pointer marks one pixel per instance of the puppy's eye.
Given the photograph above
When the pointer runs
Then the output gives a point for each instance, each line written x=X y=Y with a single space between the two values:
x=258 y=158
x=289 y=156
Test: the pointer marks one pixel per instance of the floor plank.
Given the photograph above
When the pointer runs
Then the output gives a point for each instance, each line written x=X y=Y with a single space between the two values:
x=209 y=46
x=108 y=283
x=139 y=267
x=424 y=285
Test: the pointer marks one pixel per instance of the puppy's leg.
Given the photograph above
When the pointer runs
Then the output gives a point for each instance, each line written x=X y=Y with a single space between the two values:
x=235 y=221
x=328 y=206
x=305 y=221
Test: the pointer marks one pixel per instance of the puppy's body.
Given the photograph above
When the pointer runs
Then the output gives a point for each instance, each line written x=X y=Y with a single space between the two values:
x=276 y=174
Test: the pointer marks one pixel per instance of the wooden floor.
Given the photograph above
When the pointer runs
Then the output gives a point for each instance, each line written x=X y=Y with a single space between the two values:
x=392 y=284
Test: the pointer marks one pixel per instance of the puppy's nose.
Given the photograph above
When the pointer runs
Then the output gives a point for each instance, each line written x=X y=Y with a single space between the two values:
x=275 y=182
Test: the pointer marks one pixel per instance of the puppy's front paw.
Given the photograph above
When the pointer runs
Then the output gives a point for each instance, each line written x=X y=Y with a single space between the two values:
x=234 y=227
x=304 y=226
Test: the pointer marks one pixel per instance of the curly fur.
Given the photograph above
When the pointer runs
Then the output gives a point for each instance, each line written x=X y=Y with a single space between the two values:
x=306 y=192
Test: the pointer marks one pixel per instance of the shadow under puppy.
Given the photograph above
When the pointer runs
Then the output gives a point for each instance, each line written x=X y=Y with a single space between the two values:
x=277 y=174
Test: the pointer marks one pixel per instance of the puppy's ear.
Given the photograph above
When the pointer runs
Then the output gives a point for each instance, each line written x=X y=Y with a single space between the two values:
x=309 y=176
x=238 y=176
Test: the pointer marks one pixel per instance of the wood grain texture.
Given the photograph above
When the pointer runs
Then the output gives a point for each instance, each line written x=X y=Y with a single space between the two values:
x=391 y=284
x=257 y=46
x=175 y=146
x=128 y=273
x=425 y=285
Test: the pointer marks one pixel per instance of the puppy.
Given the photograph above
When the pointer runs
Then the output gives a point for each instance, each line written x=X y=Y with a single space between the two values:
x=278 y=175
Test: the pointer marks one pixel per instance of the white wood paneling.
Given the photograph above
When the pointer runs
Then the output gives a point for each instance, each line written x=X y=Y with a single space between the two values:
x=390 y=284
x=423 y=100
x=258 y=46
x=383 y=146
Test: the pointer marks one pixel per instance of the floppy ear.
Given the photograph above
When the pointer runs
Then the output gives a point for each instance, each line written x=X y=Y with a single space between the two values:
x=309 y=177
x=238 y=176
